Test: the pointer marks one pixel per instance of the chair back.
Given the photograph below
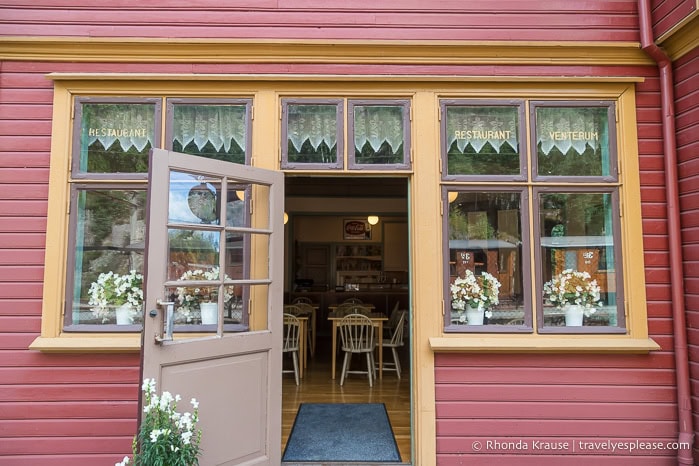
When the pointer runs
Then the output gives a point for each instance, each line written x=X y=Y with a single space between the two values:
x=397 y=336
x=302 y=299
x=296 y=310
x=292 y=330
x=353 y=301
x=350 y=308
x=305 y=308
x=357 y=333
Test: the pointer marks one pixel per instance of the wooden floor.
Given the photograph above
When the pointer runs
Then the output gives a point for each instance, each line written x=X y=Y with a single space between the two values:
x=317 y=386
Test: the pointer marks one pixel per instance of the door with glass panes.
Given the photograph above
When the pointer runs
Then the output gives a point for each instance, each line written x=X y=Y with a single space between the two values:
x=214 y=276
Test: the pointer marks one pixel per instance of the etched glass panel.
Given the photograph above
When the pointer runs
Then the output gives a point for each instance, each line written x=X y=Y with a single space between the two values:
x=572 y=141
x=482 y=140
x=116 y=138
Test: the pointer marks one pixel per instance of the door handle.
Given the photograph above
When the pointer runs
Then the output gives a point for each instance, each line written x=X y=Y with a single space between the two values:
x=165 y=332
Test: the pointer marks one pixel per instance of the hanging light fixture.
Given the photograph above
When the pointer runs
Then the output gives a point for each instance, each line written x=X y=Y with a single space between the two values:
x=286 y=218
x=452 y=196
x=372 y=219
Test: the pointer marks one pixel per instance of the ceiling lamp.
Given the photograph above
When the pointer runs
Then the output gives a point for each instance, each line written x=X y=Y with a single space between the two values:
x=452 y=196
x=372 y=219
x=286 y=218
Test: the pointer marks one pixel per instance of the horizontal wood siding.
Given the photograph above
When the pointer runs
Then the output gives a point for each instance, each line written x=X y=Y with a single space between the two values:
x=335 y=19
x=567 y=397
x=686 y=74
x=666 y=14
x=55 y=409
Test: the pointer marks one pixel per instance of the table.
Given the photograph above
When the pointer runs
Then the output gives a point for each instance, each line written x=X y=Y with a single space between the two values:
x=377 y=319
x=332 y=308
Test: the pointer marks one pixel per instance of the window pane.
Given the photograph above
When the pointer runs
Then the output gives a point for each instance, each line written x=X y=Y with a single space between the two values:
x=378 y=134
x=109 y=242
x=214 y=131
x=577 y=257
x=312 y=133
x=194 y=199
x=116 y=138
x=485 y=237
x=572 y=141
x=482 y=140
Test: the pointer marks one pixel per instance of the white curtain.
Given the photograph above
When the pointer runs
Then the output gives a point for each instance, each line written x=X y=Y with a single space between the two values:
x=315 y=123
x=571 y=127
x=378 y=124
x=133 y=125
x=217 y=124
x=493 y=125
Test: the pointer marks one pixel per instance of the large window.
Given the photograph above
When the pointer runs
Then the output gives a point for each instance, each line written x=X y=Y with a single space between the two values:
x=111 y=142
x=554 y=228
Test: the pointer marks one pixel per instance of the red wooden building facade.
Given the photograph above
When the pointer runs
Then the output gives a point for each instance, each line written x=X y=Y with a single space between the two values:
x=65 y=399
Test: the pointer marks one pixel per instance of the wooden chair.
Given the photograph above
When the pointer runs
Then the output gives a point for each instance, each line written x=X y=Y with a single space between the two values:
x=307 y=309
x=302 y=299
x=393 y=317
x=357 y=334
x=350 y=308
x=395 y=342
x=353 y=301
x=292 y=329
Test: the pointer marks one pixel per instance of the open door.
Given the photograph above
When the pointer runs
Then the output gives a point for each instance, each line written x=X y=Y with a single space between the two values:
x=215 y=241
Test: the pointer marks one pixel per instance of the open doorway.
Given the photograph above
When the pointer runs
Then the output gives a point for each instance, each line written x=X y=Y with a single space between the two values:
x=333 y=253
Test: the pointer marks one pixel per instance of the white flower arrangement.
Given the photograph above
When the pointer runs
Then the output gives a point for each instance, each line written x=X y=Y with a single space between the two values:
x=165 y=436
x=113 y=290
x=573 y=287
x=189 y=298
x=475 y=291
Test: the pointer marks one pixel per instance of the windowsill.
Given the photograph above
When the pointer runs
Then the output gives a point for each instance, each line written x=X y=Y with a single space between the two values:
x=513 y=343
x=81 y=343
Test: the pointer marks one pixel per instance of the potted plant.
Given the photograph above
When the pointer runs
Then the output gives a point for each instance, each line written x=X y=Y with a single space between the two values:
x=121 y=294
x=473 y=295
x=576 y=293
x=203 y=299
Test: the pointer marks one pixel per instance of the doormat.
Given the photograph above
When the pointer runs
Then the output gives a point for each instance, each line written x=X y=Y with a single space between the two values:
x=342 y=432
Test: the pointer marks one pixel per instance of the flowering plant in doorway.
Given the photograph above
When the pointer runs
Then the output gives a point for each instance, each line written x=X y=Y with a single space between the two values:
x=166 y=437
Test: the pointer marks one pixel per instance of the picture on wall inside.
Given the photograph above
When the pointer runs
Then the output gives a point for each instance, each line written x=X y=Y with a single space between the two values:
x=356 y=229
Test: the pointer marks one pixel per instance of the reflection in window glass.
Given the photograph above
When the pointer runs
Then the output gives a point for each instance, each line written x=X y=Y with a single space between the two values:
x=577 y=257
x=213 y=131
x=312 y=133
x=192 y=250
x=378 y=134
x=194 y=199
x=572 y=141
x=482 y=140
x=109 y=243
x=485 y=237
x=116 y=138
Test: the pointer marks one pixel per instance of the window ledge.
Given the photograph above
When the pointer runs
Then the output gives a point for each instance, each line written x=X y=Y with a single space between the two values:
x=542 y=344
x=129 y=343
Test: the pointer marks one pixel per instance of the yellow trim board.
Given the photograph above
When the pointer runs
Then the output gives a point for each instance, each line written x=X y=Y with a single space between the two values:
x=81 y=343
x=542 y=344
x=162 y=50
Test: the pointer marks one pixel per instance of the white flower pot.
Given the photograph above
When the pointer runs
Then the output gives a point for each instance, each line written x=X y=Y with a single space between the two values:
x=124 y=314
x=209 y=313
x=474 y=316
x=574 y=315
